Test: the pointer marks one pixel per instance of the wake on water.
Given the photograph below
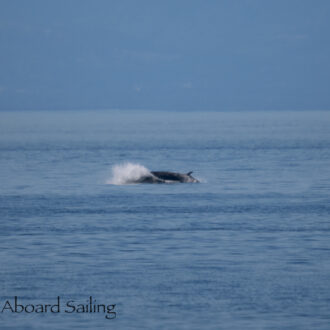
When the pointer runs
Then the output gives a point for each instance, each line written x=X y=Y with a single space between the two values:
x=127 y=173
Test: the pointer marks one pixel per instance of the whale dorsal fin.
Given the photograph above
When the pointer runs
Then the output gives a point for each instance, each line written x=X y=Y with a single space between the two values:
x=189 y=173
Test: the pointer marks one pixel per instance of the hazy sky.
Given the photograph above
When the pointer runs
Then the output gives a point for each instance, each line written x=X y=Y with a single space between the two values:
x=164 y=54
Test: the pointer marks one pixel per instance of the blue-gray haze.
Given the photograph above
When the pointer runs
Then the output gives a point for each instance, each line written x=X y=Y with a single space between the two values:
x=174 y=55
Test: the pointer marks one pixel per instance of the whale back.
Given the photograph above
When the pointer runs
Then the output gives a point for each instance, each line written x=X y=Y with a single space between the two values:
x=174 y=177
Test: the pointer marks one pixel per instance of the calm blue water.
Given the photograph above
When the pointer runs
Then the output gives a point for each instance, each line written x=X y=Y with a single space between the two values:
x=248 y=248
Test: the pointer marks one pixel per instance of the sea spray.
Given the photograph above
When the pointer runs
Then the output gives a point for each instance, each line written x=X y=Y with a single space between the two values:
x=127 y=173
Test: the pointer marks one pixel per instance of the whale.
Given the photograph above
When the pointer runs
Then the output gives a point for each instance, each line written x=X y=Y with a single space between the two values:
x=167 y=177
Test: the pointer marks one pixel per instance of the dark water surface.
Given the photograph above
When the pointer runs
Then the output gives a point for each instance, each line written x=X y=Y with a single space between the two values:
x=248 y=248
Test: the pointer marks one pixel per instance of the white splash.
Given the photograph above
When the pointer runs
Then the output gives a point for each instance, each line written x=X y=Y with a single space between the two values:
x=127 y=173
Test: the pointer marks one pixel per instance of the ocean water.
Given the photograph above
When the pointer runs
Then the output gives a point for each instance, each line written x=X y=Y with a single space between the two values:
x=247 y=248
